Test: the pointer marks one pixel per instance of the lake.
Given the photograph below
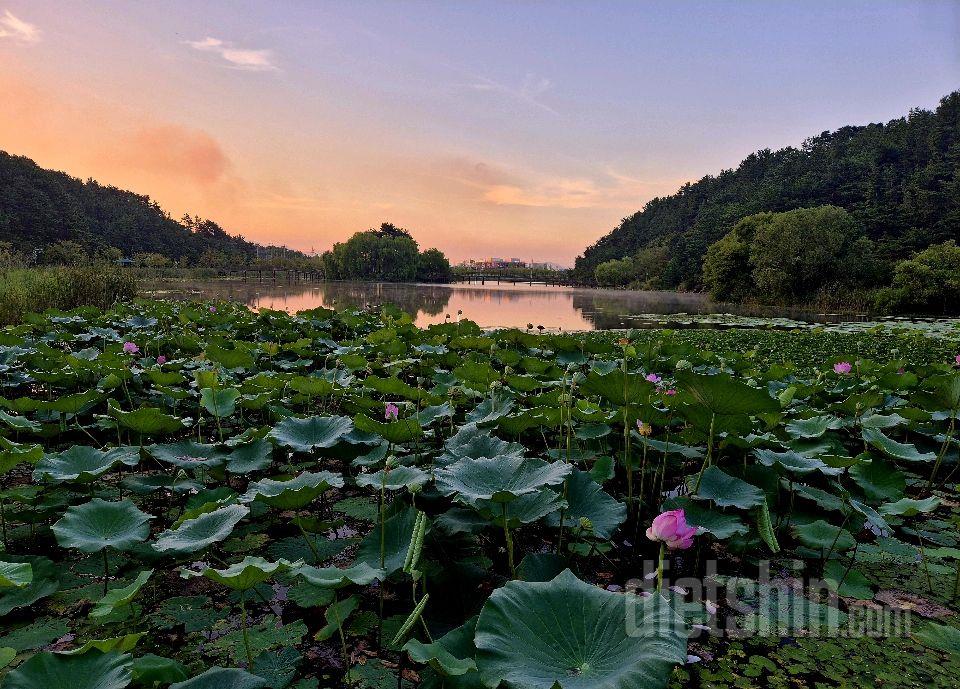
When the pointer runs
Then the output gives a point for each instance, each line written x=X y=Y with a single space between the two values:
x=493 y=305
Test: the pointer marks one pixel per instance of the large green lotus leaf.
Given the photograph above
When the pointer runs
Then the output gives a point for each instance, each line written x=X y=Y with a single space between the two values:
x=93 y=670
x=940 y=393
x=617 y=387
x=99 y=524
x=151 y=670
x=873 y=518
x=669 y=448
x=526 y=509
x=306 y=435
x=939 y=636
x=118 y=644
x=19 y=423
x=726 y=490
x=13 y=454
x=490 y=411
x=334 y=577
x=80 y=464
x=146 y=420
x=909 y=508
x=720 y=524
x=397 y=532
x=568 y=634
x=223 y=678
x=45 y=582
x=397 y=478
x=187 y=454
x=76 y=403
x=587 y=501
x=118 y=598
x=854 y=583
x=472 y=441
x=311 y=386
x=16 y=575
x=230 y=354
x=879 y=480
x=874 y=420
x=219 y=402
x=249 y=457
x=244 y=575
x=813 y=427
x=892 y=448
x=723 y=395
x=498 y=479
x=439 y=657
x=822 y=536
x=824 y=499
x=195 y=534
x=294 y=493
x=794 y=462
x=395 y=432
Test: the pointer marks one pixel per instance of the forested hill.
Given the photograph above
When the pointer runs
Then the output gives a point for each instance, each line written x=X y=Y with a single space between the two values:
x=39 y=208
x=898 y=180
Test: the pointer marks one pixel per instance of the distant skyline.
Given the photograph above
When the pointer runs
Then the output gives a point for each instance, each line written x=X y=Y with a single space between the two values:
x=524 y=129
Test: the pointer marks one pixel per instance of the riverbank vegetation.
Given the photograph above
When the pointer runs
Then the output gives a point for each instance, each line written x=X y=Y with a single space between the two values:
x=897 y=182
x=23 y=291
x=199 y=496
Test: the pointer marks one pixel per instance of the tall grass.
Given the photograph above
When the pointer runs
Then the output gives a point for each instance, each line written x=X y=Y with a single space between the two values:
x=23 y=290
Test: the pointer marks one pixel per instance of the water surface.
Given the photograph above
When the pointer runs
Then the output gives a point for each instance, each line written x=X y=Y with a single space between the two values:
x=491 y=305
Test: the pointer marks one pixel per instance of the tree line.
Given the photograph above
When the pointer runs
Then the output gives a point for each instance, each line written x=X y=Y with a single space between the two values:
x=870 y=209
x=388 y=253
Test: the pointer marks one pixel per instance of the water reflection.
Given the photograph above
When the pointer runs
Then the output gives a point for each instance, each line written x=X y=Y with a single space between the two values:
x=490 y=305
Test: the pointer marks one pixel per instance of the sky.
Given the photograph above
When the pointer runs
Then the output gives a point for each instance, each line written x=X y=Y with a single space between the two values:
x=521 y=129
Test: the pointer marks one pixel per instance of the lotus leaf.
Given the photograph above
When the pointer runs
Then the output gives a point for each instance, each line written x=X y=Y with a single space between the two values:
x=568 y=634
x=99 y=524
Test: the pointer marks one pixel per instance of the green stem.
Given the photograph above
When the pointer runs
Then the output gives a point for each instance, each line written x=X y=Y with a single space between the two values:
x=709 y=458
x=308 y=540
x=106 y=570
x=663 y=552
x=509 y=540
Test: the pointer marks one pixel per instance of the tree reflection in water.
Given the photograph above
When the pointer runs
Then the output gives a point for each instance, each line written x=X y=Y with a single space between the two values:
x=489 y=305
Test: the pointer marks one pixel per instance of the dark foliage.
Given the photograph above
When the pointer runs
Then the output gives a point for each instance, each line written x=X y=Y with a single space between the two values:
x=898 y=180
x=40 y=208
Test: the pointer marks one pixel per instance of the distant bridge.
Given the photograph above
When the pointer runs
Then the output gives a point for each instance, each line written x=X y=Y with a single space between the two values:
x=512 y=277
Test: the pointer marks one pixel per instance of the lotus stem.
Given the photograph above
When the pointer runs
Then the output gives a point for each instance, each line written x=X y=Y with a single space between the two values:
x=3 y=523
x=508 y=539
x=343 y=639
x=308 y=540
x=663 y=552
x=106 y=570
x=943 y=449
x=709 y=458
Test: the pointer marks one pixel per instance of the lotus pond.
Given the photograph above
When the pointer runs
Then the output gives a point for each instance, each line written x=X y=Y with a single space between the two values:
x=198 y=496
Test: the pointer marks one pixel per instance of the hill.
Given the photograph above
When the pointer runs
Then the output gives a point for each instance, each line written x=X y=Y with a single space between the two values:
x=40 y=208
x=899 y=181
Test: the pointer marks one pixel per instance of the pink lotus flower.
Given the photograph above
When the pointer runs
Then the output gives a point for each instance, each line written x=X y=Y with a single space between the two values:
x=131 y=348
x=653 y=378
x=391 y=411
x=842 y=367
x=958 y=360
x=161 y=360
x=671 y=529
x=671 y=392
x=213 y=309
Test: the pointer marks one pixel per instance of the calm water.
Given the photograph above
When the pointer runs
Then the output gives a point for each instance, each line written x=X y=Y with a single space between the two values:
x=490 y=305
